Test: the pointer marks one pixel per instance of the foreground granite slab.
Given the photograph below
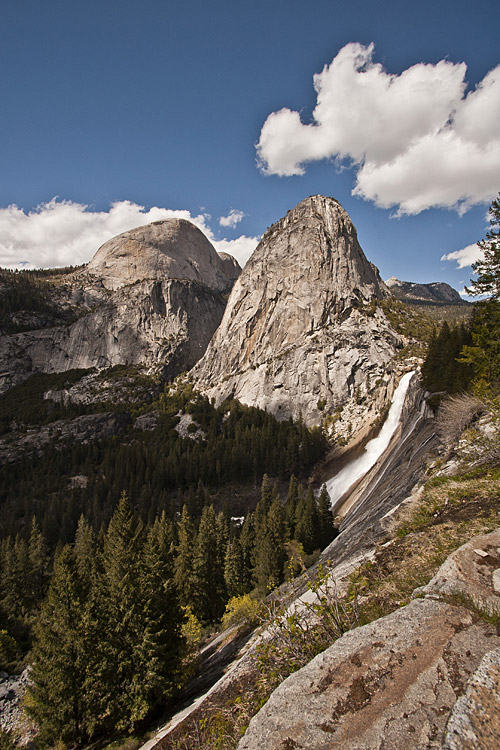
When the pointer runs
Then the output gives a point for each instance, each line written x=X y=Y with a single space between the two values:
x=395 y=683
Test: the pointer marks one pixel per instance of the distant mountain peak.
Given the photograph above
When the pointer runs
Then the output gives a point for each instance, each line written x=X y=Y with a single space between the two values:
x=436 y=292
x=153 y=295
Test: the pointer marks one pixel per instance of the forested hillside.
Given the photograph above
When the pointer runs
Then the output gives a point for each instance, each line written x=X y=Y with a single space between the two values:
x=25 y=299
x=162 y=553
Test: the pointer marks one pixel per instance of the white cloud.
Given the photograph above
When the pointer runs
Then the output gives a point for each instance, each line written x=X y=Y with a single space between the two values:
x=241 y=248
x=465 y=257
x=464 y=293
x=63 y=233
x=233 y=218
x=414 y=139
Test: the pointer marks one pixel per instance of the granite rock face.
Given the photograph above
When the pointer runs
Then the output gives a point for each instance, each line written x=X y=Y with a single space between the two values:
x=474 y=723
x=399 y=682
x=295 y=336
x=12 y=716
x=169 y=249
x=153 y=296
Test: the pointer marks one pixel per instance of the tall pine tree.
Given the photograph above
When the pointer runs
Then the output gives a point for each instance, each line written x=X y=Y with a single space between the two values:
x=56 y=696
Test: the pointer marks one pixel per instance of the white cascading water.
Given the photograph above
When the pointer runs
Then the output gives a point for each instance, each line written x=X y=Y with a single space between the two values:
x=341 y=482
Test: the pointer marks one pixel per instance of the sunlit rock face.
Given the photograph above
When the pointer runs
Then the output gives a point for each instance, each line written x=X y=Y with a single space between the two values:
x=169 y=249
x=437 y=292
x=295 y=337
x=152 y=296
x=394 y=683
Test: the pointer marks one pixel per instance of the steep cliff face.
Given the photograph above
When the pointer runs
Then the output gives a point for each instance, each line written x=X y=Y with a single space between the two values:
x=295 y=337
x=152 y=296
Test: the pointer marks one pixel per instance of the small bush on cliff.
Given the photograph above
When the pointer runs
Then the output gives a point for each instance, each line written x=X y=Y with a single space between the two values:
x=296 y=633
x=241 y=609
x=455 y=414
x=291 y=638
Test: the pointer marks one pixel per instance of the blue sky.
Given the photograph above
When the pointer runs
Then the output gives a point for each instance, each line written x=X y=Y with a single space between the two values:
x=128 y=112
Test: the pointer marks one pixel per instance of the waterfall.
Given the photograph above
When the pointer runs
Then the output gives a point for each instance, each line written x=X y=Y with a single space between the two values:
x=341 y=482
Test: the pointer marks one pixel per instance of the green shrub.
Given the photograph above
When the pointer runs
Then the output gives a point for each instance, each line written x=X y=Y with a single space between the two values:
x=8 y=649
x=241 y=609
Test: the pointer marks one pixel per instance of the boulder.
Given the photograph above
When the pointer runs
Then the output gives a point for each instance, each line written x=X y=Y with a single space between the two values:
x=398 y=682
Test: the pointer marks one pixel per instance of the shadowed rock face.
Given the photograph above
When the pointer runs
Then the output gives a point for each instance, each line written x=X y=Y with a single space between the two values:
x=153 y=296
x=294 y=331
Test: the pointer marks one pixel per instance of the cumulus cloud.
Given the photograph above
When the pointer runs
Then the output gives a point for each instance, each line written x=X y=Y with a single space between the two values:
x=465 y=257
x=415 y=139
x=233 y=218
x=241 y=248
x=62 y=233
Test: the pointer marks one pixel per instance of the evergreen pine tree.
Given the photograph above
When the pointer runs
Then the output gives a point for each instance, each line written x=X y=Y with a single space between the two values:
x=124 y=605
x=184 y=558
x=161 y=646
x=247 y=545
x=208 y=568
x=483 y=354
x=291 y=505
x=234 y=572
x=160 y=543
x=488 y=267
x=266 y=496
x=307 y=526
x=270 y=553
x=325 y=519
x=56 y=697
x=85 y=551
x=115 y=628
x=38 y=566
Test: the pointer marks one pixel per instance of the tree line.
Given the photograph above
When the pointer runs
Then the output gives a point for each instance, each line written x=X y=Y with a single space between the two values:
x=26 y=292
x=468 y=356
x=158 y=467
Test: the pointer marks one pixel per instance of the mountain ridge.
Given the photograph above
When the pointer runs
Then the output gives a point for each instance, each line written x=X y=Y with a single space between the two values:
x=151 y=296
x=435 y=292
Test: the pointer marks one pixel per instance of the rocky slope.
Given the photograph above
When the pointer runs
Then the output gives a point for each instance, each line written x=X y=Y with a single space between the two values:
x=153 y=295
x=295 y=336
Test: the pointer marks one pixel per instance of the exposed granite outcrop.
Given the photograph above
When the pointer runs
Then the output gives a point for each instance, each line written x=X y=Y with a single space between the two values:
x=83 y=429
x=436 y=292
x=396 y=682
x=295 y=336
x=474 y=723
x=169 y=249
x=12 y=716
x=154 y=296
